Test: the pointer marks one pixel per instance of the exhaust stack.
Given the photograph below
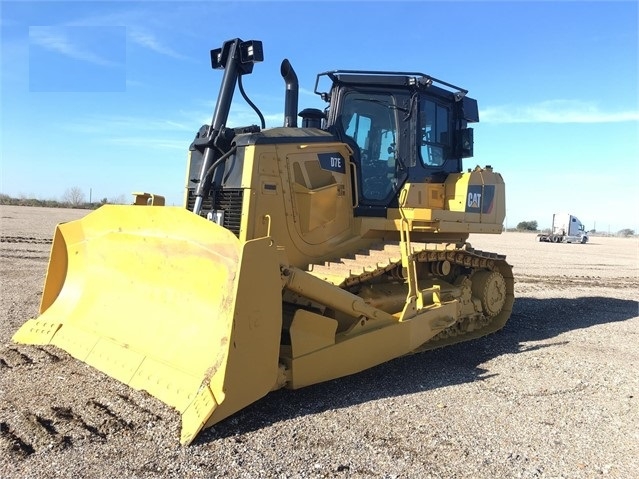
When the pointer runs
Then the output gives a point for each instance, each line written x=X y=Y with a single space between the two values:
x=292 y=93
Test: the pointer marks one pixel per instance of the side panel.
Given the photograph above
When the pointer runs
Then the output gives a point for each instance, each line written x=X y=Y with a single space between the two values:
x=473 y=202
x=301 y=195
x=480 y=194
x=321 y=201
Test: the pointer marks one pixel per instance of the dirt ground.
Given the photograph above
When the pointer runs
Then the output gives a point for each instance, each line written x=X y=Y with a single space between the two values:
x=553 y=394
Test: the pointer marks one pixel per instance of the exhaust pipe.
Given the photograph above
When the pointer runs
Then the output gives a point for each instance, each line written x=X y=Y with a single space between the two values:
x=292 y=93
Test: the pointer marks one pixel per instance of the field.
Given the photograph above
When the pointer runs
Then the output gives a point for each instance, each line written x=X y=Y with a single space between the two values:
x=553 y=394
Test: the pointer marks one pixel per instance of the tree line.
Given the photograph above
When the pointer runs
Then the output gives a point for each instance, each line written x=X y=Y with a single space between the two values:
x=533 y=226
x=72 y=197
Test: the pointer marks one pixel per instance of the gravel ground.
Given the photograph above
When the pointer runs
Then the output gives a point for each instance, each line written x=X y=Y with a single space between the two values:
x=552 y=395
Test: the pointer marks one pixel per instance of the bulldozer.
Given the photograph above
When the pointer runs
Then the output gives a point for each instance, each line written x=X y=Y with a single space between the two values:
x=301 y=254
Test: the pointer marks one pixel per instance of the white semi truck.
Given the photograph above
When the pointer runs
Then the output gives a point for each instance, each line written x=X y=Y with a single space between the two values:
x=566 y=228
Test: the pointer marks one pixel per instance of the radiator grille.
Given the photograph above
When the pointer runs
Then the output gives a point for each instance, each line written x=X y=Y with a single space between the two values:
x=229 y=200
x=207 y=203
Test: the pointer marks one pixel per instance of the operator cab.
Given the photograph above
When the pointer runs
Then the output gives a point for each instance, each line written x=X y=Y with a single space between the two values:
x=400 y=127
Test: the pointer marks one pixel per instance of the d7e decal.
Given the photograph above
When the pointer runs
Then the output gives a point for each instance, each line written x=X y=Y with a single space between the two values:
x=332 y=162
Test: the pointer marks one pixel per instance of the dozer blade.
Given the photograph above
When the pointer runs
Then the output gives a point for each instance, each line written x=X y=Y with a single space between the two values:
x=168 y=302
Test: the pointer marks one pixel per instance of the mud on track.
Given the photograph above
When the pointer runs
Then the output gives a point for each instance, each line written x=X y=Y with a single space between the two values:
x=554 y=394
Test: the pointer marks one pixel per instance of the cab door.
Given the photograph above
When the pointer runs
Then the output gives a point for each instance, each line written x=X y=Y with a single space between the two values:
x=371 y=120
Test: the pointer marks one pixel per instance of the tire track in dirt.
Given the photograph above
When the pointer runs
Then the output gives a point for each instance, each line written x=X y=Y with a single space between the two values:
x=17 y=356
x=53 y=419
x=19 y=254
x=36 y=428
x=17 y=247
x=24 y=239
x=569 y=282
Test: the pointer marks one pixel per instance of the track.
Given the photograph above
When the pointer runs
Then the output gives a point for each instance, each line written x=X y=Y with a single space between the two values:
x=382 y=261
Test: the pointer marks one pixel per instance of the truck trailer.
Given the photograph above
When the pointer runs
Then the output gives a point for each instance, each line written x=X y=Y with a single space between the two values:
x=566 y=228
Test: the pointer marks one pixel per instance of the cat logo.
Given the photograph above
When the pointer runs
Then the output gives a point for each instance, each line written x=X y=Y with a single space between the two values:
x=480 y=199
x=474 y=200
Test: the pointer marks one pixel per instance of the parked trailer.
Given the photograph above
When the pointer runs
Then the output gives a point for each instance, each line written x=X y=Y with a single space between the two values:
x=566 y=228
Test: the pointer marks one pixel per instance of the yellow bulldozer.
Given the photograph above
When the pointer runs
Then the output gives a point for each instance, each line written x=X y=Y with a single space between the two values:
x=300 y=255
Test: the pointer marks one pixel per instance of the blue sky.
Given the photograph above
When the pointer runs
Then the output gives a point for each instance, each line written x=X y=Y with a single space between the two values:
x=107 y=96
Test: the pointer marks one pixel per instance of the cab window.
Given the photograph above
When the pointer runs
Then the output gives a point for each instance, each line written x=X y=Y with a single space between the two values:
x=434 y=131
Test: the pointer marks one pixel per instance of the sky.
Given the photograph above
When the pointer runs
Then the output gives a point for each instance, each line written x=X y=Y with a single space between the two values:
x=107 y=96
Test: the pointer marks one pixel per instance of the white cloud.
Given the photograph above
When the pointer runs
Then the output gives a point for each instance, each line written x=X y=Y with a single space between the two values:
x=101 y=124
x=133 y=131
x=134 y=83
x=555 y=111
x=249 y=117
x=56 y=39
x=133 y=20
x=240 y=115
x=146 y=143
x=307 y=92
x=150 y=41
